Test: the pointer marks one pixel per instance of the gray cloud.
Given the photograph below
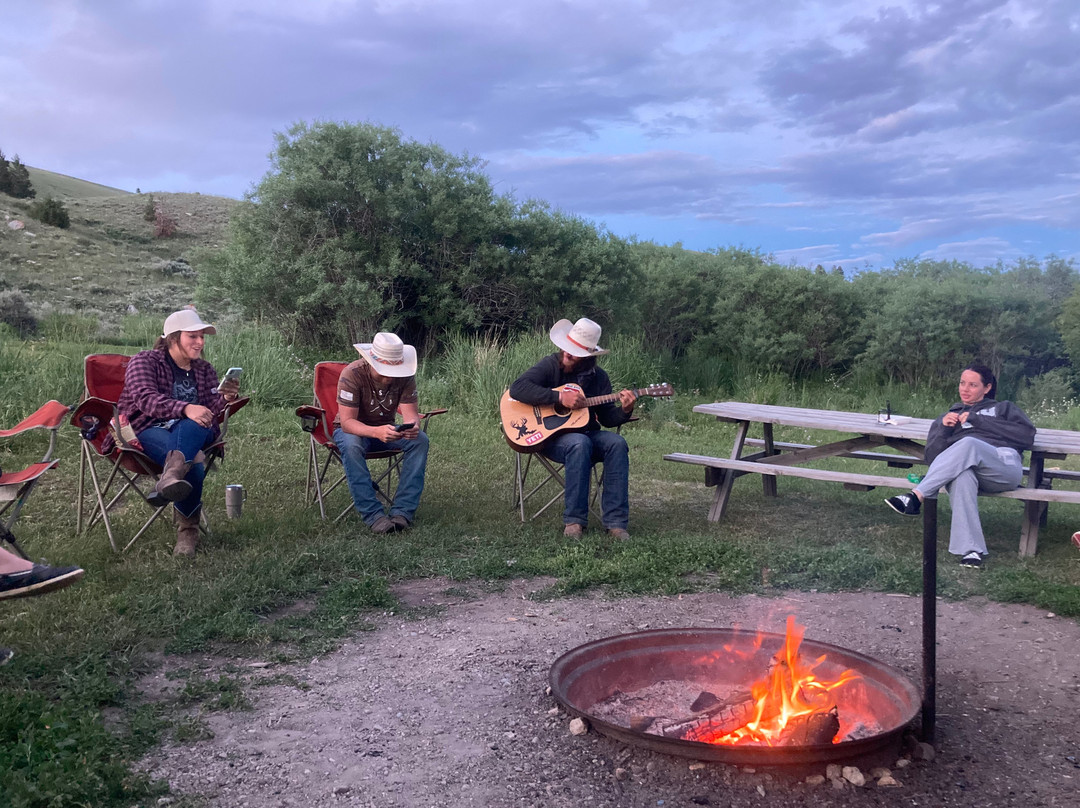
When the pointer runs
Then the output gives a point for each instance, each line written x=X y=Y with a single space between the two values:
x=920 y=125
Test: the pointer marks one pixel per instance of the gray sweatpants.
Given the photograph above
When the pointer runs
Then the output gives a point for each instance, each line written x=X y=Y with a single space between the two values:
x=965 y=468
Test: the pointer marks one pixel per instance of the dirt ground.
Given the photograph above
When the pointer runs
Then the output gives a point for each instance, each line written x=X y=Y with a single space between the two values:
x=451 y=710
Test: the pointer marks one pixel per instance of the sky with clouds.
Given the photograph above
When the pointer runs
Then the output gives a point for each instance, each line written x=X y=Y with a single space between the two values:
x=835 y=133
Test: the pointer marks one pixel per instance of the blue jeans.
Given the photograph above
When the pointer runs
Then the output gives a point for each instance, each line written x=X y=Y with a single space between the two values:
x=185 y=436
x=578 y=451
x=354 y=451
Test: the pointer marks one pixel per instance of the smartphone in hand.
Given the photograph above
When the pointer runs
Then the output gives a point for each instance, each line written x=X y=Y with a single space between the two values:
x=403 y=427
x=230 y=374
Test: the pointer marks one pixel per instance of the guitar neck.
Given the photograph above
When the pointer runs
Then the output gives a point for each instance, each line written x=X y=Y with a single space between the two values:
x=605 y=399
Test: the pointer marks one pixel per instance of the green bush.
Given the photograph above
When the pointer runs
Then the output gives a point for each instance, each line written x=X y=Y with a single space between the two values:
x=15 y=312
x=357 y=230
x=150 y=209
x=51 y=211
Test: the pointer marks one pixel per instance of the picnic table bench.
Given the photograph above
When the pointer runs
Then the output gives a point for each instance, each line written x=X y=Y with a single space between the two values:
x=906 y=438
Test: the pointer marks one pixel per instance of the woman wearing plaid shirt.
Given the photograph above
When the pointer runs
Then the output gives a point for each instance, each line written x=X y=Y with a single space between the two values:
x=171 y=402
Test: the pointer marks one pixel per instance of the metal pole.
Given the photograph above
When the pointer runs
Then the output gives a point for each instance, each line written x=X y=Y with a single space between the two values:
x=929 y=619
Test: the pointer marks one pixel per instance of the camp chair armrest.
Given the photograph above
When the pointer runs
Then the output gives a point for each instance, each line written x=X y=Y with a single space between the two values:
x=427 y=416
x=230 y=409
x=92 y=418
x=236 y=404
x=313 y=420
x=49 y=415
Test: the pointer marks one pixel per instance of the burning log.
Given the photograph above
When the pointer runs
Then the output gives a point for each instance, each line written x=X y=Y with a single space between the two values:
x=720 y=716
x=725 y=719
x=811 y=729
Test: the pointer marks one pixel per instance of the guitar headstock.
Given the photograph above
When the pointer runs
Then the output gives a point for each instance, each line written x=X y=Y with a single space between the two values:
x=663 y=390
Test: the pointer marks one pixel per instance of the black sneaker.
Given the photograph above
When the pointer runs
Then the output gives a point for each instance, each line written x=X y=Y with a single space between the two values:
x=907 y=504
x=972 y=559
x=38 y=580
x=5 y=655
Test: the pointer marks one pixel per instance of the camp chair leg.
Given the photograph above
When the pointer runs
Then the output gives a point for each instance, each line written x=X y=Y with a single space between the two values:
x=316 y=476
x=554 y=474
x=102 y=511
x=160 y=510
x=81 y=489
x=385 y=480
x=9 y=537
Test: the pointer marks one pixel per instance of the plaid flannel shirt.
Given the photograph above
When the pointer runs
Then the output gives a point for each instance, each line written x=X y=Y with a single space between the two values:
x=148 y=385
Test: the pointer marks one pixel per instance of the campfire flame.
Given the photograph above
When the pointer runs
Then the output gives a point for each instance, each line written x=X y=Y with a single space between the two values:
x=788 y=696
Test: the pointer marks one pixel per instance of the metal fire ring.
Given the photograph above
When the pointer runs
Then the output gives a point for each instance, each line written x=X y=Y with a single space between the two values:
x=587 y=675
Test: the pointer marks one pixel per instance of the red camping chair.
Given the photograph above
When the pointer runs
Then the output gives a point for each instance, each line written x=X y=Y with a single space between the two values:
x=128 y=468
x=317 y=419
x=16 y=486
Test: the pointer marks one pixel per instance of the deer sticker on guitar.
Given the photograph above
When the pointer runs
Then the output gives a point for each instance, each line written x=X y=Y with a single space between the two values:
x=527 y=425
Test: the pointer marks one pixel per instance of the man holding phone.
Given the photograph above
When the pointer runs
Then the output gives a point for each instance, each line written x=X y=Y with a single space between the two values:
x=371 y=391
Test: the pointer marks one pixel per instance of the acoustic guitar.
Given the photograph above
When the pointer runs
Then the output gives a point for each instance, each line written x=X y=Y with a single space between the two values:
x=528 y=425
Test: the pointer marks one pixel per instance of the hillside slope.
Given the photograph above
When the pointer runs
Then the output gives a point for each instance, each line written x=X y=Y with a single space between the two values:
x=108 y=262
x=65 y=188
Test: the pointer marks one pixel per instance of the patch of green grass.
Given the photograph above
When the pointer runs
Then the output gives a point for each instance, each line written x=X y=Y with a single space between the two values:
x=191 y=729
x=222 y=693
x=280 y=584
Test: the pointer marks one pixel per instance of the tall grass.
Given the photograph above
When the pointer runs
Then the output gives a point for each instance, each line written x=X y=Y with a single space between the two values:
x=473 y=372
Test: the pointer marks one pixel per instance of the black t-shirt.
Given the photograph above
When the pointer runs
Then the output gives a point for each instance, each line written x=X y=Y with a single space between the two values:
x=184 y=386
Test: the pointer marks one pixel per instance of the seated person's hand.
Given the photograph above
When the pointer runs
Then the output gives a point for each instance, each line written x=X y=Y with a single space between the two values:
x=199 y=414
x=572 y=399
x=230 y=389
x=627 y=399
x=410 y=433
x=950 y=419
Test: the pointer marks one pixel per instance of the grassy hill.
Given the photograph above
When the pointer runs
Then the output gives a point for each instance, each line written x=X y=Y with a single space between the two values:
x=64 y=188
x=108 y=262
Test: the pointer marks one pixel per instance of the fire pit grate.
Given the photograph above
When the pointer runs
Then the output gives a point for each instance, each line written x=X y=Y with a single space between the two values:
x=586 y=680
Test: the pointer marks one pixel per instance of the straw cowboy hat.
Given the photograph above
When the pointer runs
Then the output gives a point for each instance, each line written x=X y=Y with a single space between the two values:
x=577 y=339
x=186 y=320
x=389 y=355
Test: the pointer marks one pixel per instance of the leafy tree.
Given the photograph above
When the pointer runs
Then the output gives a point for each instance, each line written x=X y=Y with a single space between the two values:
x=51 y=211
x=18 y=182
x=5 y=174
x=927 y=319
x=355 y=229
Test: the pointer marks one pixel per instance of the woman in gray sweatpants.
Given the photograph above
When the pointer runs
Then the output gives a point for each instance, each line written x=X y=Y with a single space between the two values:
x=973 y=447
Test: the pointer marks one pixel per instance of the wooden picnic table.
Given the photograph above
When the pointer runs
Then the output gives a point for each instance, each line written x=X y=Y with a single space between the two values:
x=906 y=437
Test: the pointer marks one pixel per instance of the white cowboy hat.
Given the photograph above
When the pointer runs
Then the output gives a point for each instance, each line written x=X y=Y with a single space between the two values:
x=186 y=320
x=389 y=355
x=577 y=339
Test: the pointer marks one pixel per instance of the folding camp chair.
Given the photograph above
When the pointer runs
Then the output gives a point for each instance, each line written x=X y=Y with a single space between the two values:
x=317 y=419
x=522 y=493
x=129 y=469
x=16 y=486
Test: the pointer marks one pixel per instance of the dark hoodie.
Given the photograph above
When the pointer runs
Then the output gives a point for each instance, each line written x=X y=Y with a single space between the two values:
x=999 y=423
x=535 y=386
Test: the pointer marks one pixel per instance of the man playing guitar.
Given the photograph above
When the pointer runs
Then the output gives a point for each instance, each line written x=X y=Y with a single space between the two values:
x=575 y=364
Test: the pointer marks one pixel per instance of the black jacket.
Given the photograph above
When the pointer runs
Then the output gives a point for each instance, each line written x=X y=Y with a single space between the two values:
x=535 y=386
x=999 y=423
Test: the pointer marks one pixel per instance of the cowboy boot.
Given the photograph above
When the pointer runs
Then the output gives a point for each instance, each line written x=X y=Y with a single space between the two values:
x=171 y=485
x=187 y=534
